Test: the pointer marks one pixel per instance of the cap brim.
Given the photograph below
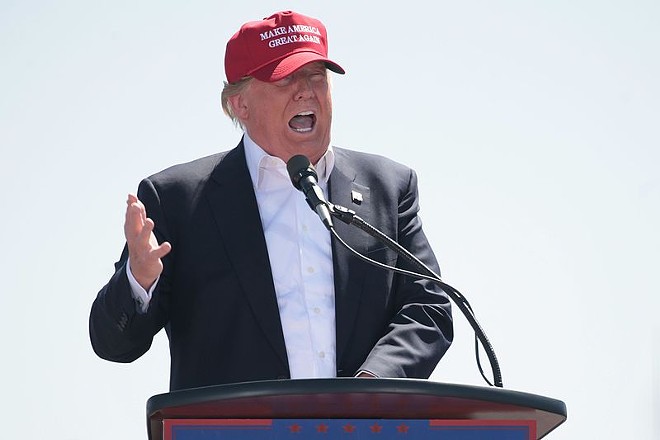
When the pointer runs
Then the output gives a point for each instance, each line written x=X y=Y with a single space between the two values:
x=279 y=69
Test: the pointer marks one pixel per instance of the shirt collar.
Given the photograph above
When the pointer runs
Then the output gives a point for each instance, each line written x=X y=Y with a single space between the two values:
x=258 y=161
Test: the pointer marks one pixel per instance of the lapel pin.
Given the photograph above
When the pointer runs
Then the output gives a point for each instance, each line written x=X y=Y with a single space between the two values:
x=356 y=197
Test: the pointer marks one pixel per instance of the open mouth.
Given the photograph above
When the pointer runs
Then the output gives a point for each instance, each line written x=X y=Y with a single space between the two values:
x=303 y=122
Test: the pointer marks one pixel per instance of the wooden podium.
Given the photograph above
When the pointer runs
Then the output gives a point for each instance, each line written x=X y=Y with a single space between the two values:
x=353 y=409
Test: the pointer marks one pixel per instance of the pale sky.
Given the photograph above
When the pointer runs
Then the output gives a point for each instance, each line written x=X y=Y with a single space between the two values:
x=533 y=127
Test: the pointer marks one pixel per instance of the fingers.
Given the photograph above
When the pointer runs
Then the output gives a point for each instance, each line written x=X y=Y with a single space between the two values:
x=138 y=228
x=147 y=240
x=162 y=250
x=136 y=216
x=143 y=248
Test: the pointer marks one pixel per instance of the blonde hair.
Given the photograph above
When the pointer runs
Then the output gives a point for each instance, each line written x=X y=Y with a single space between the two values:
x=233 y=89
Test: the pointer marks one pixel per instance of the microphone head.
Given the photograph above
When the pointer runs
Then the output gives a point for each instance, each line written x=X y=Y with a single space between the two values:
x=299 y=167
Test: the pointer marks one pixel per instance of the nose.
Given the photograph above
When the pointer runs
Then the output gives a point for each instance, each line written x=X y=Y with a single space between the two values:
x=304 y=89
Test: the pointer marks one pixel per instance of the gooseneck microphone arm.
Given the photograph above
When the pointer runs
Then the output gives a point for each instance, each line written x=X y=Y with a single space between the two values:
x=304 y=177
x=349 y=217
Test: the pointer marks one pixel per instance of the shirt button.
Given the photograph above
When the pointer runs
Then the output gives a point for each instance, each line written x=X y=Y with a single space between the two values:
x=317 y=310
x=304 y=228
x=322 y=354
x=310 y=269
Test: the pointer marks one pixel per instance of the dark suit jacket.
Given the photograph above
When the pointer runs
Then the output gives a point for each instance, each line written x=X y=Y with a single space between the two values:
x=216 y=298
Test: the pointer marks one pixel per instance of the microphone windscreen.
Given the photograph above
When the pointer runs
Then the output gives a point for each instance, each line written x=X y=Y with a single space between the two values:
x=298 y=167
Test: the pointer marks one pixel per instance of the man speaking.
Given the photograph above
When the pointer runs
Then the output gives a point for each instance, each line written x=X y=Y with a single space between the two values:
x=227 y=256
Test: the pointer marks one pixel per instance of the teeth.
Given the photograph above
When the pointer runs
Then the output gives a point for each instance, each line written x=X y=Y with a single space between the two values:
x=303 y=129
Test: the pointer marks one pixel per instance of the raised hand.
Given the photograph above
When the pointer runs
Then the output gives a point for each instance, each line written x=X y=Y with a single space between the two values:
x=143 y=249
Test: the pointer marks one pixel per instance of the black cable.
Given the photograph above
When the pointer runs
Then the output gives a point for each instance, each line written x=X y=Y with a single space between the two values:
x=349 y=217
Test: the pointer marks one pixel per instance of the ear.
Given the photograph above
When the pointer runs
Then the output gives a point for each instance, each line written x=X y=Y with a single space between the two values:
x=239 y=106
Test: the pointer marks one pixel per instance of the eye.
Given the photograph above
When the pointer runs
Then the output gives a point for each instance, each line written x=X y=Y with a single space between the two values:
x=287 y=80
x=319 y=75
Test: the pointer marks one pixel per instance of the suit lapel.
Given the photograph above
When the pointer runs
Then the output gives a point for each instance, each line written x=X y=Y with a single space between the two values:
x=234 y=206
x=349 y=278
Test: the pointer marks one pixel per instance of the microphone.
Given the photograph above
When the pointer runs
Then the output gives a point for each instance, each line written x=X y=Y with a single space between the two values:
x=304 y=178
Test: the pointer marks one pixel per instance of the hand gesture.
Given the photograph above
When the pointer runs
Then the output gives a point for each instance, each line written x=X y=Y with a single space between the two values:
x=143 y=249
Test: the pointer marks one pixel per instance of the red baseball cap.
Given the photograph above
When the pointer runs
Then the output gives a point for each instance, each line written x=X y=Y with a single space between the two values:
x=277 y=46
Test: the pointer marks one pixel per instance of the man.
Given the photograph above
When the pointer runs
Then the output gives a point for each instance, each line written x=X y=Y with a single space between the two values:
x=226 y=255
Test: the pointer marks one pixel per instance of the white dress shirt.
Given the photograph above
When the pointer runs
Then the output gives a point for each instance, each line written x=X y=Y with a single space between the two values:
x=300 y=254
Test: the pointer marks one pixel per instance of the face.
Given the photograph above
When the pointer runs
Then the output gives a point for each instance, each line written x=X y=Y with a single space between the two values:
x=291 y=116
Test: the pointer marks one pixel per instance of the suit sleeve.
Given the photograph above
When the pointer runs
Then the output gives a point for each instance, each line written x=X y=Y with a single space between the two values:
x=420 y=330
x=118 y=330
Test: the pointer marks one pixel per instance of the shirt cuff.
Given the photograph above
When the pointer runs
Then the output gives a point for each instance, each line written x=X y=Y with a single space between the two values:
x=142 y=297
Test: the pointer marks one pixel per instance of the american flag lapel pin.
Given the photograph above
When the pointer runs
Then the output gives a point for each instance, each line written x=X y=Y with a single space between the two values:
x=356 y=197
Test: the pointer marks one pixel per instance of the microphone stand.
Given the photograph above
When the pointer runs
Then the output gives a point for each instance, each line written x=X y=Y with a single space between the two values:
x=350 y=218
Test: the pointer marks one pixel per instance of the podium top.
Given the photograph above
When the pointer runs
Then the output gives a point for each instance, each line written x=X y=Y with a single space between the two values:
x=354 y=398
